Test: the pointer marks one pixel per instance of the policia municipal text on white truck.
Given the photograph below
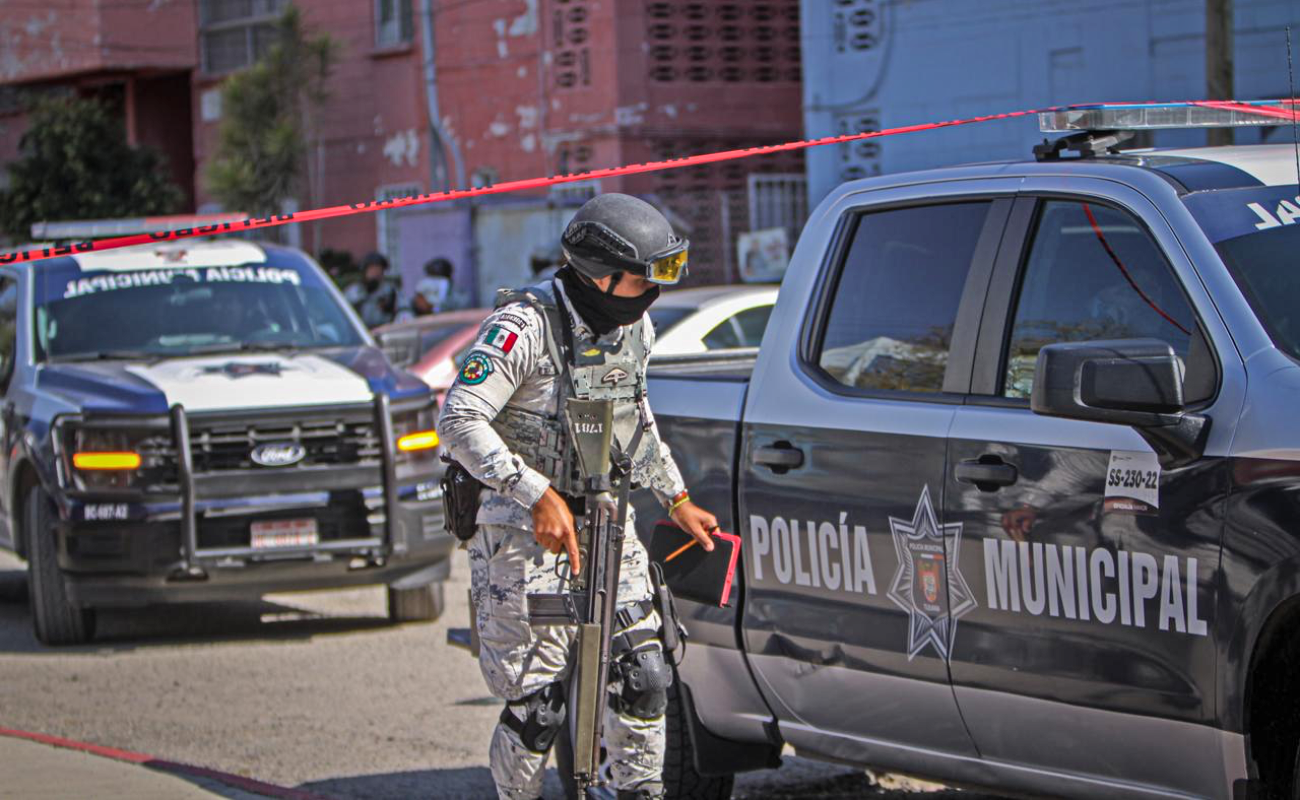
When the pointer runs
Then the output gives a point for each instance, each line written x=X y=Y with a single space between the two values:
x=1016 y=471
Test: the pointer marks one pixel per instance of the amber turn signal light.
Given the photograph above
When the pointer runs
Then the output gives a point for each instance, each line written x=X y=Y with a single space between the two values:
x=100 y=460
x=420 y=440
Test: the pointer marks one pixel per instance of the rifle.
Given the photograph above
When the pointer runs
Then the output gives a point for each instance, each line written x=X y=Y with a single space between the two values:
x=593 y=595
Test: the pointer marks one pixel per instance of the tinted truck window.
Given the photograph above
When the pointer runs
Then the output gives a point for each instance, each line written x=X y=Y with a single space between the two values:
x=1094 y=272
x=891 y=319
x=8 y=327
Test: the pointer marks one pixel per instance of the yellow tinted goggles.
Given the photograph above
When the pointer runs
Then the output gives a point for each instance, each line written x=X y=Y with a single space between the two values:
x=667 y=269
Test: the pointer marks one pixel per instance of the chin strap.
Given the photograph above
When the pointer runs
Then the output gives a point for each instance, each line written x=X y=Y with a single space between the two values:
x=613 y=282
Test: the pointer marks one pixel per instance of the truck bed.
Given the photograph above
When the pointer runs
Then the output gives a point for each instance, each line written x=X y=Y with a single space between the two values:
x=733 y=365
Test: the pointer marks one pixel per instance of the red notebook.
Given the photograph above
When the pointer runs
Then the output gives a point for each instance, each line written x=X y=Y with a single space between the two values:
x=691 y=571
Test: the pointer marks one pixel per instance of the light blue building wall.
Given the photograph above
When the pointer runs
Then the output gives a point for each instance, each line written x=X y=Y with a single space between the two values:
x=872 y=64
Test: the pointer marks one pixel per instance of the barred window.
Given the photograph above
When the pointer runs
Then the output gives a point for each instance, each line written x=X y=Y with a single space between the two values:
x=386 y=221
x=393 y=25
x=778 y=200
x=235 y=33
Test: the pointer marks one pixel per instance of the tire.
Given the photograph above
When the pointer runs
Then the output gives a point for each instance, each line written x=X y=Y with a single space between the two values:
x=56 y=620
x=421 y=604
x=1292 y=791
x=681 y=781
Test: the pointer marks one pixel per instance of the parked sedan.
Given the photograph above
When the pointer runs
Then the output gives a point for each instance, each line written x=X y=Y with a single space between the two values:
x=709 y=318
x=686 y=321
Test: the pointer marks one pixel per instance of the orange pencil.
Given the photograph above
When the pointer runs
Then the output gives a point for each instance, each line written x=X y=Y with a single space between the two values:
x=680 y=550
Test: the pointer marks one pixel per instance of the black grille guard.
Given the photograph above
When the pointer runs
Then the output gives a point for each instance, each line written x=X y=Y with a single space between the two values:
x=195 y=560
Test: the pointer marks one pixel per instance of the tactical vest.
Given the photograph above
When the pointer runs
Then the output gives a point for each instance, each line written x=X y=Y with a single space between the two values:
x=589 y=370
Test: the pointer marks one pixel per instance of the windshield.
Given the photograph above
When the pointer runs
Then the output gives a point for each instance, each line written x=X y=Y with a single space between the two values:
x=1255 y=235
x=663 y=319
x=146 y=313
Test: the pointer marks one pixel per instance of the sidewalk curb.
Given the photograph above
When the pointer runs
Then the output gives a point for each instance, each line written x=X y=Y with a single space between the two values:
x=176 y=768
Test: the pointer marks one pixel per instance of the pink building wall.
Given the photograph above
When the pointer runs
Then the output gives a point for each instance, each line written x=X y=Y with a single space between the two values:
x=526 y=87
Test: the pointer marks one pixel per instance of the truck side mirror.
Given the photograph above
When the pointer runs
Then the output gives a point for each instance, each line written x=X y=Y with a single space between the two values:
x=1137 y=382
x=402 y=346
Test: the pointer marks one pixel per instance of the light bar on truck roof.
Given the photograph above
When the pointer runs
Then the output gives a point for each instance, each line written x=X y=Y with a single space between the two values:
x=1156 y=116
x=100 y=228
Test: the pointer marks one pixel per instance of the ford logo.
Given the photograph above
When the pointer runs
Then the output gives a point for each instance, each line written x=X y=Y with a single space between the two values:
x=278 y=454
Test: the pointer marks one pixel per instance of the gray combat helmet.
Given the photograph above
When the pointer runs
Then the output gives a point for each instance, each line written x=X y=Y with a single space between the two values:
x=620 y=233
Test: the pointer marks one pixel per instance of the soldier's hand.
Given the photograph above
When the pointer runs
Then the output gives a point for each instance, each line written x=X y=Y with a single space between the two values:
x=697 y=522
x=553 y=527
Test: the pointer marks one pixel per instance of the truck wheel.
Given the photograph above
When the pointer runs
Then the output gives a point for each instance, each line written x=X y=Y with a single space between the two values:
x=681 y=781
x=56 y=619
x=1281 y=791
x=421 y=604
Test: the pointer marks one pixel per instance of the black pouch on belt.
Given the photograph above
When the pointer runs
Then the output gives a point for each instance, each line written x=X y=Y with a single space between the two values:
x=673 y=632
x=460 y=500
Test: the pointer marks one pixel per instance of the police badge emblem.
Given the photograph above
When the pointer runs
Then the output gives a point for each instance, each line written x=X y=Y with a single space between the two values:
x=924 y=572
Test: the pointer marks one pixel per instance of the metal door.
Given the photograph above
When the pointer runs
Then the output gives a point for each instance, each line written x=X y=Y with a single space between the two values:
x=850 y=592
x=1093 y=569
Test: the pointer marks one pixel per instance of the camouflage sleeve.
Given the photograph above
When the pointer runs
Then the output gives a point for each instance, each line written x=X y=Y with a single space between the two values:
x=504 y=356
x=665 y=479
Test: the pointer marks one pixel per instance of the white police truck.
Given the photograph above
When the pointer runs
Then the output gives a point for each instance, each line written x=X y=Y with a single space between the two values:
x=205 y=420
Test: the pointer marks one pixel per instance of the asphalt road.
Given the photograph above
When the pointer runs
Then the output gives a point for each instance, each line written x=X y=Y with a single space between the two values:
x=316 y=691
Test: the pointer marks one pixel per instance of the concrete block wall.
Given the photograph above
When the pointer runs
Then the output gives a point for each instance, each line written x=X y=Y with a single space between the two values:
x=886 y=63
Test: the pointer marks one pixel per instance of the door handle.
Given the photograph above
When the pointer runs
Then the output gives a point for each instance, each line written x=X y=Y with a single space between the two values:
x=780 y=456
x=989 y=473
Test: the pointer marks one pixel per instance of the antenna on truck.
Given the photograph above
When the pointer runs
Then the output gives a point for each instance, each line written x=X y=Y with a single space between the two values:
x=1290 y=87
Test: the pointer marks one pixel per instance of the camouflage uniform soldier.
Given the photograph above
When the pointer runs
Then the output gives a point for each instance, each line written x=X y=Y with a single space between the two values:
x=583 y=334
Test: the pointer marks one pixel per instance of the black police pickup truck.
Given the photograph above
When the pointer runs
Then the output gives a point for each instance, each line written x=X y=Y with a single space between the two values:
x=1017 y=475
x=206 y=420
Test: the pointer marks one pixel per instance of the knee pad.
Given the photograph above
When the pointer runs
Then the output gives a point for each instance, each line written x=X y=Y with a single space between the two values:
x=543 y=717
x=646 y=677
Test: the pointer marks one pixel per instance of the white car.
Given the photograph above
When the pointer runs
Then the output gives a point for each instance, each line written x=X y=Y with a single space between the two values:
x=709 y=318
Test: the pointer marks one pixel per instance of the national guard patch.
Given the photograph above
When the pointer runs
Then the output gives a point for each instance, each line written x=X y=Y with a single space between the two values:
x=476 y=369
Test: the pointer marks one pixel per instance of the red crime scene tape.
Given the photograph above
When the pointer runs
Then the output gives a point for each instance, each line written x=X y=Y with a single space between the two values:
x=1269 y=108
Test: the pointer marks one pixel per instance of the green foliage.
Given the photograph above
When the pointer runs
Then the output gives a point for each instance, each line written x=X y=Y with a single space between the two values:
x=268 y=113
x=74 y=163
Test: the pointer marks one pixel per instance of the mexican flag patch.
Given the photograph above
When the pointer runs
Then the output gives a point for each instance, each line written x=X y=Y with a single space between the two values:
x=500 y=338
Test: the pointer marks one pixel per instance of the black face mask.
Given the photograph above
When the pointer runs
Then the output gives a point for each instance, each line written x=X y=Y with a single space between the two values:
x=604 y=312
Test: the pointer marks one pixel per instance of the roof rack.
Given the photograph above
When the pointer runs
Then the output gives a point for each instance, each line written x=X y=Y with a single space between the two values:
x=1086 y=143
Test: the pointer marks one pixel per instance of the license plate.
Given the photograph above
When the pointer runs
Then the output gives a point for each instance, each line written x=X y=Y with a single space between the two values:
x=280 y=533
